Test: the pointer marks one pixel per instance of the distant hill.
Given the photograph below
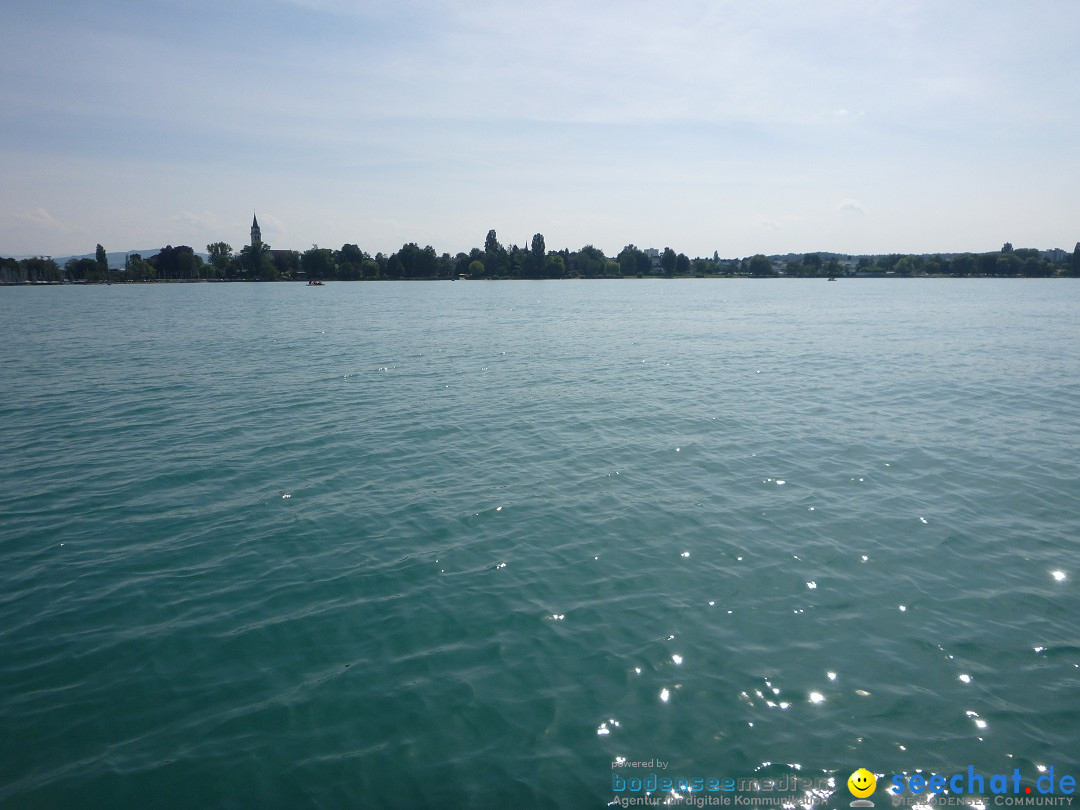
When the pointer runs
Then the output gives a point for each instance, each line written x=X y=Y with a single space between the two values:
x=117 y=259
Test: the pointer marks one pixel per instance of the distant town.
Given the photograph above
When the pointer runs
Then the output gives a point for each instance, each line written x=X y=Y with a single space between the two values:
x=257 y=261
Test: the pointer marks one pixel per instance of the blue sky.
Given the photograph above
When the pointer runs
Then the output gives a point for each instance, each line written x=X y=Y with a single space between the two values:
x=738 y=127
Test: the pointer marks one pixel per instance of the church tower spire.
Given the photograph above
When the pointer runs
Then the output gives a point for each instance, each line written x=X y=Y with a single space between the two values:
x=256 y=233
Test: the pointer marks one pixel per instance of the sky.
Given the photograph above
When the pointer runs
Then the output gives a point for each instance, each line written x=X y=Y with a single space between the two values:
x=736 y=127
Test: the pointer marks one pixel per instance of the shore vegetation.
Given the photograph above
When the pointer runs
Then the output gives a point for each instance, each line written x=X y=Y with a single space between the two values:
x=533 y=261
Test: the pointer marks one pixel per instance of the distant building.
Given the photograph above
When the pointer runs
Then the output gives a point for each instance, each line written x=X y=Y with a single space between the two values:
x=286 y=261
x=654 y=260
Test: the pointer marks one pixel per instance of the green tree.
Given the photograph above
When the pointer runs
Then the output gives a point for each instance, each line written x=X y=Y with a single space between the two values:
x=350 y=262
x=962 y=265
x=82 y=270
x=255 y=263
x=517 y=262
x=667 y=261
x=555 y=266
x=461 y=264
x=682 y=264
x=40 y=269
x=811 y=265
x=1074 y=261
x=759 y=265
x=102 y=259
x=633 y=261
x=394 y=267
x=495 y=257
x=936 y=266
x=381 y=260
x=221 y=257
x=10 y=272
x=883 y=264
x=190 y=265
x=908 y=266
x=286 y=263
x=318 y=263
x=987 y=264
x=589 y=262
x=446 y=266
x=1029 y=262
x=166 y=262
x=418 y=263
x=429 y=263
x=535 y=259
x=476 y=269
x=137 y=268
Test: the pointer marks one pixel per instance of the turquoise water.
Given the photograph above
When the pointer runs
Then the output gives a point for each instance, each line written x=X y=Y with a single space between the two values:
x=464 y=545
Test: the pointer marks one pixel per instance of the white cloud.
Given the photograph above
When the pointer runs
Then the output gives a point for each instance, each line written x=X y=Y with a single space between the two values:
x=40 y=219
x=851 y=207
x=36 y=230
x=201 y=219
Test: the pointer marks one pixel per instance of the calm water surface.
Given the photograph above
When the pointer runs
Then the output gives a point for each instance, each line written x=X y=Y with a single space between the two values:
x=465 y=545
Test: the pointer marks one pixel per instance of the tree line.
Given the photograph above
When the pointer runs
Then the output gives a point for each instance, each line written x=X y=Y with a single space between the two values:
x=259 y=262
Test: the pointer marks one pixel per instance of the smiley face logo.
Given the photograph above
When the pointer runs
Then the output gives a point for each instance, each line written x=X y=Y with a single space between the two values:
x=862 y=783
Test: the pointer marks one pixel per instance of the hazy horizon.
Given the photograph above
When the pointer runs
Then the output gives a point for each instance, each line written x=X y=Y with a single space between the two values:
x=115 y=256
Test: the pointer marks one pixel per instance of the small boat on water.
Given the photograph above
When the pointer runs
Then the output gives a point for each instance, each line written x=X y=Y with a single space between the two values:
x=314 y=283
x=832 y=278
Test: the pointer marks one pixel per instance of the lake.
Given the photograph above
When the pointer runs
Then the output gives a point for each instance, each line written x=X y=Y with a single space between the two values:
x=505 y=544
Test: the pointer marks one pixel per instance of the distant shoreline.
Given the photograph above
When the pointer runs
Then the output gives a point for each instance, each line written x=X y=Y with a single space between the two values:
x=303 y=282
x=257 y=261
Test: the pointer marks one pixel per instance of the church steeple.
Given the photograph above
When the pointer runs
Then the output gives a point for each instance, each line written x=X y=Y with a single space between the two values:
x=256 y=233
